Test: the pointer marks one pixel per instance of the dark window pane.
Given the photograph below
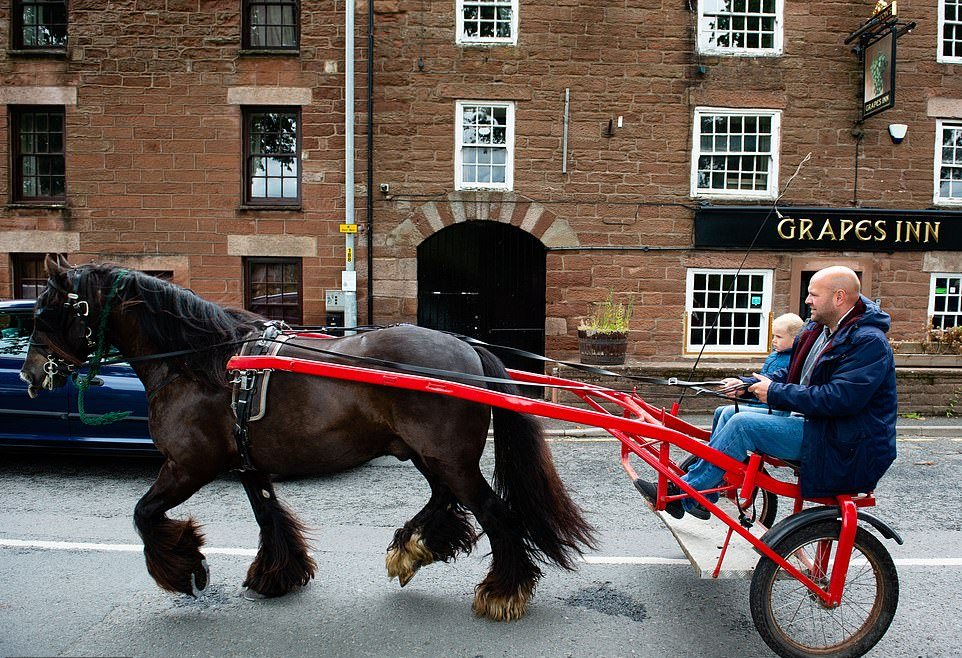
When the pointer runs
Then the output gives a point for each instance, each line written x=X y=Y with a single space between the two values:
x=37 y=144
x=271 y=24
x=273 y=289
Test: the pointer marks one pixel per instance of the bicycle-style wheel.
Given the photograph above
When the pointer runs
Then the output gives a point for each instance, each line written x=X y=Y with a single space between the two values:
x=796 y=624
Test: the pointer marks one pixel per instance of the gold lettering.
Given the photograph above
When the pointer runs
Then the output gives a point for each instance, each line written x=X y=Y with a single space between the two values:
x=880 y=233
x=898 y=231
x=791 y=229
x=827 y=230
x=847 y=226
x=932 y=230
x=861 y=227
x=805 y=229
x=912 y=230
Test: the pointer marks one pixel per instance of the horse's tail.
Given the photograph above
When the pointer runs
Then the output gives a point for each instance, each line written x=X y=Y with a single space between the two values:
x=526 y=479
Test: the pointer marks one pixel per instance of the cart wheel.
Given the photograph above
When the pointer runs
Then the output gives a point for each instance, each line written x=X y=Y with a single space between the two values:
x=765 y=514
x=795 y=623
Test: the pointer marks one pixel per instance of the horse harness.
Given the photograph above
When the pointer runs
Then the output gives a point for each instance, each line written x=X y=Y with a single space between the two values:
x=249 y=397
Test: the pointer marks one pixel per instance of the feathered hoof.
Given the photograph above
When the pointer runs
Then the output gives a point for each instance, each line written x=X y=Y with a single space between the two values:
x=403 y=562
x=498 y=606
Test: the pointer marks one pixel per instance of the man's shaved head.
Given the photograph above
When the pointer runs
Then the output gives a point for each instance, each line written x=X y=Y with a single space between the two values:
x=839 y=277
x=832 y=292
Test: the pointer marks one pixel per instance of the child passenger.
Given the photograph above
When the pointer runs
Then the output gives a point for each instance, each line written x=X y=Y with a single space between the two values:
x=784 y=329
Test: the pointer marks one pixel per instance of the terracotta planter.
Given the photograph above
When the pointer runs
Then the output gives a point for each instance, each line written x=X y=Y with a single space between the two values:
x=603 y=349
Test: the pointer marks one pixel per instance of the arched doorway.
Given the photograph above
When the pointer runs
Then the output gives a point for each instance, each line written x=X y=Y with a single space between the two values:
x=485 y=279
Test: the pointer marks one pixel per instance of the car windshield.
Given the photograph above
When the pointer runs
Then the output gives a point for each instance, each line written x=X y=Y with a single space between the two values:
x=15 y=329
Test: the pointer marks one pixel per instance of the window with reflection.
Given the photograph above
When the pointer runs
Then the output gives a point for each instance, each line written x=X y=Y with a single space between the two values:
x=484 y=156
x=29 y=275
x=271 y=24
x=487 y=21
x=37 y=146
x=740 y=27
x=728 y=311
x=735 y=152
x=39 y=24
x=272 y=171
x=273 y=288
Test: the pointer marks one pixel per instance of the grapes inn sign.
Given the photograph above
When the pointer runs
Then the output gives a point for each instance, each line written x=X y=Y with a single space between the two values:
x=834 y=229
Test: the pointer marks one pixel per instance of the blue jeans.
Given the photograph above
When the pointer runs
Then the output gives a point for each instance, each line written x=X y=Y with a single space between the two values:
x=736 y=434
x=724 y=414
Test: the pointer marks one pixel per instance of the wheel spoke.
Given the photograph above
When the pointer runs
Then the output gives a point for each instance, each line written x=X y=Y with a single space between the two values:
x=798 y=621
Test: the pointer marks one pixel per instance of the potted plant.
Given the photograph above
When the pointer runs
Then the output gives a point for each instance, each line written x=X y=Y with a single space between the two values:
x=603 y=335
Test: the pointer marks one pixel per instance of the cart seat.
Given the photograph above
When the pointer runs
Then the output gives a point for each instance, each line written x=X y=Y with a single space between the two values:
x=793 y=464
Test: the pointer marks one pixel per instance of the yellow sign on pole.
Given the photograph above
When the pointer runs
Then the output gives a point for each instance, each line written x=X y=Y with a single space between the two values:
x=350 y=255
x=348 y=228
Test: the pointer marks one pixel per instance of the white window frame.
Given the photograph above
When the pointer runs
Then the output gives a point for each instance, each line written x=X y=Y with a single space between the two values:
x=772 y=191
x=940 y=126
x=707 y=48
x=932 y=312
x=939 y=57
x=463 y=39
x=764 y=337
x=459 y=146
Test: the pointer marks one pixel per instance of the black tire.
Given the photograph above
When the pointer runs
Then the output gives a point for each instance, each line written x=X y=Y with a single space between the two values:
x=764 y=515
x=795 y=624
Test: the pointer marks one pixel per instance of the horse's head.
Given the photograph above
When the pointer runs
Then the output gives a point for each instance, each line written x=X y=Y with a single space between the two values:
x=64 y=327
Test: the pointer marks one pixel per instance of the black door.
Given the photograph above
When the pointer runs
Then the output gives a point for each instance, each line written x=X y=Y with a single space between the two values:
x=803 y=310
x=485 y=280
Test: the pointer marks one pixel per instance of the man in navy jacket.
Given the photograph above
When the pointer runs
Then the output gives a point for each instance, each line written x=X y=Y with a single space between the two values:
x=840 y=388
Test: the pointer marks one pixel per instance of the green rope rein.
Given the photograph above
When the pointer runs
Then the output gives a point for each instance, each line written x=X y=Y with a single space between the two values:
x=83 y=383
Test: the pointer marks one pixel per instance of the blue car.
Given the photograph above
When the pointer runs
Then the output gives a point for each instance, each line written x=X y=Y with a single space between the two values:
x=50 y=421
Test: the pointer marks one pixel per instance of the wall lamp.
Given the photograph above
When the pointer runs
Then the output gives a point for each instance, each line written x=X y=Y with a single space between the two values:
x=897 y=132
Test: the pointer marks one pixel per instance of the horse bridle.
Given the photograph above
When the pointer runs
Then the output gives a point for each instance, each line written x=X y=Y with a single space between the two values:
x=56 y=318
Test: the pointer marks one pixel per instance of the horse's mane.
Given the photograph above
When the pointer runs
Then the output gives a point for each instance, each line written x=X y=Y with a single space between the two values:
x=173 y=319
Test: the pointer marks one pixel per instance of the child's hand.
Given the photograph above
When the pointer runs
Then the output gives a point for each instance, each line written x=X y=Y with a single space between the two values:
x=732 y=387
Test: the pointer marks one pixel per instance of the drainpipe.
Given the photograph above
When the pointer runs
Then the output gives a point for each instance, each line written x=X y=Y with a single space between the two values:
x=349 y=276
x=370 y=162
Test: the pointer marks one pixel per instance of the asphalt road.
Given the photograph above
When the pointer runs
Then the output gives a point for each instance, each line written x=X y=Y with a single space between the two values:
x=88 y=593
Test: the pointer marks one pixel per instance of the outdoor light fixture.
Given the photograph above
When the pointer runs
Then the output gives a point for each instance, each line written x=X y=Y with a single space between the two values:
x=897 y=132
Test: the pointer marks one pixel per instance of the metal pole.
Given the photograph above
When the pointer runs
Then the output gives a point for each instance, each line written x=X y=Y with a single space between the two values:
x=564 y=139
x=349 y=277
x=370 y=162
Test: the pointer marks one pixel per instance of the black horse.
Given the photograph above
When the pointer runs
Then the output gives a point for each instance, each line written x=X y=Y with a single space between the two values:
x=313 y=425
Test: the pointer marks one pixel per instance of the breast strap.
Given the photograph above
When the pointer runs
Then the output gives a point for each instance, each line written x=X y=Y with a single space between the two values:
x=249 y=396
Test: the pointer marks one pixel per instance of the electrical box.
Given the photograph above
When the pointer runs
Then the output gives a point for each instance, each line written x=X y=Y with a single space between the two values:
x=334 y=323
x=334 y=300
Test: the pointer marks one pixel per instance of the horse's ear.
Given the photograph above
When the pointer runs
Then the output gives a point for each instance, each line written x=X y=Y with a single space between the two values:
x=55 y=264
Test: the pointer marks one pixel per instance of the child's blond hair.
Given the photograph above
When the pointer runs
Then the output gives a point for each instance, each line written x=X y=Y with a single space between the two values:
x=790 y=322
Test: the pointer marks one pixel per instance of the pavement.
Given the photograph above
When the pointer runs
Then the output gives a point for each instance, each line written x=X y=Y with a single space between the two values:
x=914 y=427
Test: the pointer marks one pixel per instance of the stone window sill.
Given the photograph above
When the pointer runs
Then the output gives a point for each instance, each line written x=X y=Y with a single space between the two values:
x=55 y=53
x=268 y=52
x=36 y=206
x=287 y=208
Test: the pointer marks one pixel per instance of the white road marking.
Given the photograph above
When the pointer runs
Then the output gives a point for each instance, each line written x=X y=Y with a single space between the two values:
x=609 y=560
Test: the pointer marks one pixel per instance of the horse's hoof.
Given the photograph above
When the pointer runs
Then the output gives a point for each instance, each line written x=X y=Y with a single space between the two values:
x=403 y=563
x=499 y=607
x=205 y=581
x=253 y=595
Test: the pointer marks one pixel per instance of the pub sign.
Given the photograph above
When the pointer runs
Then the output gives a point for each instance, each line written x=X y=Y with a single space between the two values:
x=878 y=74
x=827 y=229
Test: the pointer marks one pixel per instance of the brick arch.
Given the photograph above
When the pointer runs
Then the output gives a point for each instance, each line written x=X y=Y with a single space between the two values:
x=509 y=208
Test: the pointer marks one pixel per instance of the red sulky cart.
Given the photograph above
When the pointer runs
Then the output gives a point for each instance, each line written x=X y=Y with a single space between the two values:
x=822 y=584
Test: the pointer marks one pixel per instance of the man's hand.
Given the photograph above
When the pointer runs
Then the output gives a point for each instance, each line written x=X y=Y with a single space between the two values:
x=732 y=387
x=760 y=389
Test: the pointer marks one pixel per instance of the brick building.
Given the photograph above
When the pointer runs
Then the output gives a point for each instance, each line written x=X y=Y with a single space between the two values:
x=528 y=158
